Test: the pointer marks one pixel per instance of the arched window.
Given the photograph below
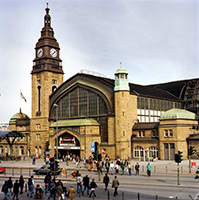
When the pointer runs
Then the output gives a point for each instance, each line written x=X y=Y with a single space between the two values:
x=139 y=152
x=81 y=103
x=153 y=151
x=1 y=150
x=21 y=150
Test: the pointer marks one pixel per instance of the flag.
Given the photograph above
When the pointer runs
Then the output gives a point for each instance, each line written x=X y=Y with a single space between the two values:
x=22 y=96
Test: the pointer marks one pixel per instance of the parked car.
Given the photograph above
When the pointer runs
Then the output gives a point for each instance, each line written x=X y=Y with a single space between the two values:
x=45 y=170
x=2 y=169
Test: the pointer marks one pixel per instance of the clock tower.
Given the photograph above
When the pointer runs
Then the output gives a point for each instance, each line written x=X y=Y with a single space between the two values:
x=47 y=75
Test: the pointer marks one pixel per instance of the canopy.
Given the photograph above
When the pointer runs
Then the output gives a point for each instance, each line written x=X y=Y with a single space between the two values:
x=8 y=134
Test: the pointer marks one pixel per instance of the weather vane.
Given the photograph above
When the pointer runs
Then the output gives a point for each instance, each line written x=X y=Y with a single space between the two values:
x=120 y=64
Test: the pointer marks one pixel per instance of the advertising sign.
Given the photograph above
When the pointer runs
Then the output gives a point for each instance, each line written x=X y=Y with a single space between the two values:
x=92 y=149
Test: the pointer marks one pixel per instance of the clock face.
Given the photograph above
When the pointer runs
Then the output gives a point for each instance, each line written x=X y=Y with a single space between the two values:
x=53 y=52
x=39 y=52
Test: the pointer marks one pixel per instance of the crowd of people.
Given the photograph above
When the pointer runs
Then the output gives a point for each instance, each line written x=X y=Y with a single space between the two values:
x=53 y=189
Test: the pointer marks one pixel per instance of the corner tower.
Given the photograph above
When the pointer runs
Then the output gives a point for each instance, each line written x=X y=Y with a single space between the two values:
x=125 y=113
x=47 y=75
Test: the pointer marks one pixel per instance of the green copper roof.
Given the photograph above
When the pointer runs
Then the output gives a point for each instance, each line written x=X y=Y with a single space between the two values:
x=18 y=116
x=75 y=122
x=121 y=71
x=178 y=114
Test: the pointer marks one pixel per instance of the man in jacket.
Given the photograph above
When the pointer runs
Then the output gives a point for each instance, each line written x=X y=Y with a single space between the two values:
x=86 y=184
x=71 y=193
x=16 y=190
x=10 y=185
x=115 y=185
x=5 y=190
x=106 y=181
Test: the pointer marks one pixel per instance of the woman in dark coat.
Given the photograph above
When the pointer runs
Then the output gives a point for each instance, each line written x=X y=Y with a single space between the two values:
x=21 y=184
x=16 y=190
x=5 y=190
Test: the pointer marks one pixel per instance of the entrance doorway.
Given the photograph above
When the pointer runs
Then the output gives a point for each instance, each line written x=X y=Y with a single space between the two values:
x=67 y=144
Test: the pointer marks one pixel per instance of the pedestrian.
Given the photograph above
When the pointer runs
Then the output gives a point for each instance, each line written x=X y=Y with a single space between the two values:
x=30 y=186
x=33 y=160
x=112 y=168
x=129 y=168
x=24 y=156
x=79 y=183
x=52 y=188
x=21 y=184
x=71 y=193
x=115 y=185
x=59 y=191
x=137 y=168
x=122 y=168
x=86 y=184
x=5 y=190
x=92 y=186
x=107 y=165
x=16 y=190
x=106 y=181
x=148 y=169
x=90 y=165
x=10 y=186
x=47 y=183
x=116 y=169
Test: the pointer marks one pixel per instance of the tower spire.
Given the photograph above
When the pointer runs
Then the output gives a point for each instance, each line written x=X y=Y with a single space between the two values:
x=47 y=18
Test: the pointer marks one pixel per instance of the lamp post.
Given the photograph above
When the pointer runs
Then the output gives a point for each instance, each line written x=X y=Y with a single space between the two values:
x=56 y=139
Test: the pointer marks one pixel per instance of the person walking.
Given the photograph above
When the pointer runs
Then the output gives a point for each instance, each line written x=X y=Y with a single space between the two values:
x=5 y=190
x=21 y=184
x=106 y=181
x=59 y=191
x=137 y=168
x=71 y=193
x=129 y=168
x=148 y=169
x=10 y=186
x=86 y=184
x=30 y=186
x=93 y=185
x=112 y=168
x=122 y=168
x=115 y=185
x=79 y=183
x=107 y=165
x=52 y=189
x=33 y=160
x=47 y=183
x=90 y=165
x=16 y=190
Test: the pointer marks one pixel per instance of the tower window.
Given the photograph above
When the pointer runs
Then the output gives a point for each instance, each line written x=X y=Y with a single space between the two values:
x=38 y=82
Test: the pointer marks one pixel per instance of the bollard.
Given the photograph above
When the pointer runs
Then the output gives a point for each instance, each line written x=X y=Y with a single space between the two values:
x=181 y=170
x=142 y=168
x=138 y=196
x=166 y=169
x=122 y=195
x=99 y=175
x=13 y=172
x=108 y=195
x=29 y=172
x=155 y=169
x=133 y=168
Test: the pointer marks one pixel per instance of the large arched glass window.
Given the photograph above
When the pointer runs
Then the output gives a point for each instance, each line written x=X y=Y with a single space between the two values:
x=139 y=152
x=83 y=103
x=21 y=150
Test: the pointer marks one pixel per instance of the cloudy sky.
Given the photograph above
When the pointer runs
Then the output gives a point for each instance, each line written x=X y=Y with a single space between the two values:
x=156 y=40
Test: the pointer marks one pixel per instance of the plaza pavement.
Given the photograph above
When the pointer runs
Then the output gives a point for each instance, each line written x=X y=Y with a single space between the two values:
x=159 y=168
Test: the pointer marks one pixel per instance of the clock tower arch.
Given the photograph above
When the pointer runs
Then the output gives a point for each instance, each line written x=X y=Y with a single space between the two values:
x=47 y=75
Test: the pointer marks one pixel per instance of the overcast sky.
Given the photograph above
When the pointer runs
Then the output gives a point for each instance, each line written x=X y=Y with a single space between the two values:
x=156 y=40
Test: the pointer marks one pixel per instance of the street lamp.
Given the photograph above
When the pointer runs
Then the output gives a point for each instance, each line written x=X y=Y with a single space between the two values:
x=56 y=106
x=56 y=139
